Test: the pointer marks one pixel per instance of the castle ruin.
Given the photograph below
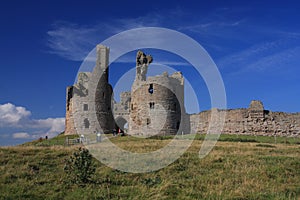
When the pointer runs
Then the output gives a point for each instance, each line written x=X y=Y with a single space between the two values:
x=155 y=105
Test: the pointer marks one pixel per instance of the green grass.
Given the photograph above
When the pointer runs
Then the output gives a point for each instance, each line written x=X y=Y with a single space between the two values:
x=233 y=170
x=58 y=140
x=245 y=138
x=61 y=139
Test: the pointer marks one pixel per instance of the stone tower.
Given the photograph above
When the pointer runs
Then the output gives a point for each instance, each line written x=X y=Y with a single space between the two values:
x=77 y=105
x=89 y=107
x=104 y=91
x=156 y=106
x=256 y=110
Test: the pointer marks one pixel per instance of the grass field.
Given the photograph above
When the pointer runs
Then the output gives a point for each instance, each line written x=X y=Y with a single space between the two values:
x=244 y=168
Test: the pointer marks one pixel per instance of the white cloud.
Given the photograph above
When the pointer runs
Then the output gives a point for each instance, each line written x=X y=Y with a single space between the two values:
x=74 y=42
x=71 y=41
x=213 y=27
x=54 y=125
x=11 y=115
x=21 y=135
x=15 y=118
x=220 y=23
x=260 y=57
x=275 y=61
x=217 y=30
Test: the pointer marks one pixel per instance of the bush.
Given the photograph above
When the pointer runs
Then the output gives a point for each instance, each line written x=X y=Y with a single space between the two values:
x=80 y=167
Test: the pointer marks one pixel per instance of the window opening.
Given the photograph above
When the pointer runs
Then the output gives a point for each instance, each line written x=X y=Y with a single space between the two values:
x=150 y=90
x=86 y=123
x=148 y=121
x=85 y=107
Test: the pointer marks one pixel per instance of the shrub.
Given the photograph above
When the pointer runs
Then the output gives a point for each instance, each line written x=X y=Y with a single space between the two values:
x=80 y=167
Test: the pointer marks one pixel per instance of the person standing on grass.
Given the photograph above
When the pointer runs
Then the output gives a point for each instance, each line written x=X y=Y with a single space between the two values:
x=98 y=136
x=81 y=138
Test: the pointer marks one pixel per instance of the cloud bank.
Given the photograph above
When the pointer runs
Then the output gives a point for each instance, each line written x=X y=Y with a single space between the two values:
x=21 y=135
x=11 y=115
x=16 y=122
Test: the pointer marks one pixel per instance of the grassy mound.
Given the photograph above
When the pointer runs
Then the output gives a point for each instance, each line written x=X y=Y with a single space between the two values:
x=59 y=140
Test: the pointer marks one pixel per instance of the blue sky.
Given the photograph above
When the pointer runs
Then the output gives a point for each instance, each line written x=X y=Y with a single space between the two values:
x=255 y=44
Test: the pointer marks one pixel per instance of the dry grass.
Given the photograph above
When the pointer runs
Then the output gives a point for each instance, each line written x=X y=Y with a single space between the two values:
x=233 y=170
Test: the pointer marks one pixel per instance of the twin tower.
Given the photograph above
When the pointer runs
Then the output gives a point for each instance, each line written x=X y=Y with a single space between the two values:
x=154 y=106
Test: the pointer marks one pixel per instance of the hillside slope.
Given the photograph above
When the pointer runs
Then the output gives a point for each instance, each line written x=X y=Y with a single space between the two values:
x=231 y=171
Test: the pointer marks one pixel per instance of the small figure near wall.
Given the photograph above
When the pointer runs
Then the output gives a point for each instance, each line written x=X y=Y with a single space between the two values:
x=98 y=136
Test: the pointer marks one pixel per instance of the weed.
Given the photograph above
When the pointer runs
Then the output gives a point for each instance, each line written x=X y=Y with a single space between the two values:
x=80 y=167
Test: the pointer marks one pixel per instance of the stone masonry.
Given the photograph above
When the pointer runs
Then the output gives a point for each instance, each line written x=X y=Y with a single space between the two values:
x=252 y=121
x=121 y=110
x=155 y=105
x=89 y=107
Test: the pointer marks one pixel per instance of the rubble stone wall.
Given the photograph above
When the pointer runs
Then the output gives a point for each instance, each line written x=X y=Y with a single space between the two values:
x=252 y=121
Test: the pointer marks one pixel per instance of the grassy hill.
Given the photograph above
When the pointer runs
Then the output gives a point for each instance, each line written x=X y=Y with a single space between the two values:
x=247 y=169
